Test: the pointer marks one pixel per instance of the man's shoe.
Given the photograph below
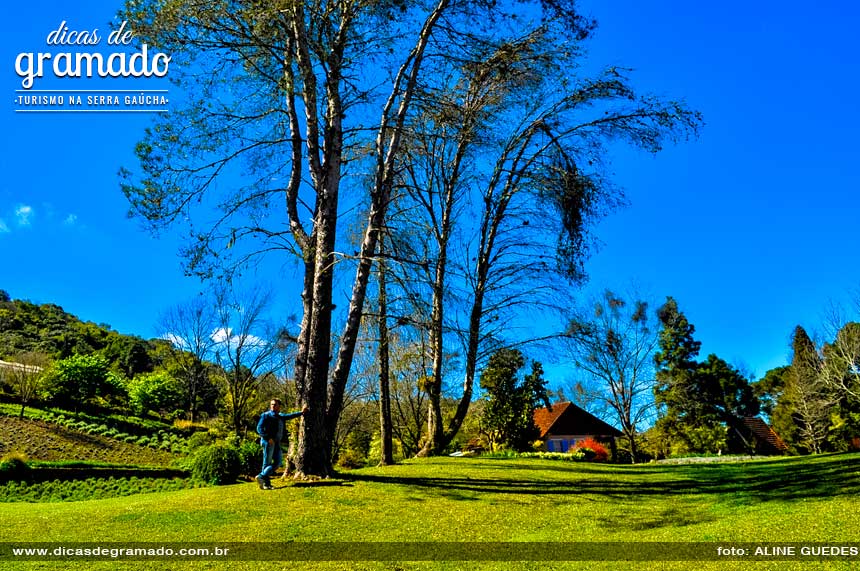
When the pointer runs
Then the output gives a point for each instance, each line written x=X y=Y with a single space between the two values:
x=261 y=481
x=269 y=487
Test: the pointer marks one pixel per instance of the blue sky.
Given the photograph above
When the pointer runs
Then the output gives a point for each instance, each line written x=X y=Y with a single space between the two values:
x=752 y=227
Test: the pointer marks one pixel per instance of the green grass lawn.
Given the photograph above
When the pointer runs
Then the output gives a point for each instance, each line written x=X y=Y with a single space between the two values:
x=481 y=500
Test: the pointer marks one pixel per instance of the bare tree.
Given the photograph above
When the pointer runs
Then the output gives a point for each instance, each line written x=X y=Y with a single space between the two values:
x=502 y=164
x=612 y=341
x=842 y=355
x=292 y=93
x=188 y=327
x=26 y=376
x=809 y=392
x=385 y=429
x=245 y=347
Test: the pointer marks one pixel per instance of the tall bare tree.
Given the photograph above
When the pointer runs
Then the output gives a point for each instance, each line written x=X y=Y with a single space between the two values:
x=385 y=429
x=188 y=327
x=612 y=342
x=245 y=347
x=290 y=93
x=503 y=165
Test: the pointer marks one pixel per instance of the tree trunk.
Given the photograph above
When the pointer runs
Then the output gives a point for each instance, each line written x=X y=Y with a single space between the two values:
x=387 y=454
x=387 y=149
x=313 y=458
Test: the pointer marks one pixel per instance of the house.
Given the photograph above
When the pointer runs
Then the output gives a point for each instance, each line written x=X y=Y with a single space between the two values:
x=757 y=437
x=564 y=424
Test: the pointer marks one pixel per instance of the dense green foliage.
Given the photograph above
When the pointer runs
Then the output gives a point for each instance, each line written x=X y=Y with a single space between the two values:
x=47 y=328
x=80 y=379
x=95 y=368
x=702 y=404
x=508 y=416
x=13 y=467
x=154 y=392
x=217 y=464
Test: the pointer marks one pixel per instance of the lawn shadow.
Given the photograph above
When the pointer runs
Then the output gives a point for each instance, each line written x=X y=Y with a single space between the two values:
x=667 y=517
x=319 y=484
x=745 y=483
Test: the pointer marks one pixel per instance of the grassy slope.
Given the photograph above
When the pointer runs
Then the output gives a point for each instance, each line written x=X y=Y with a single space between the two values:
x=40 y=440
x=484 y=500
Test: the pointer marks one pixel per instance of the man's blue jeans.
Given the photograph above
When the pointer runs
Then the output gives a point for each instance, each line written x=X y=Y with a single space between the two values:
x=272 y=458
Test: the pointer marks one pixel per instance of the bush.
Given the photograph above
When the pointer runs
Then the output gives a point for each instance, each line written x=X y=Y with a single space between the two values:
x=251 y=454
x=199 y=439
x=13 y=466
x=351 y=459
x=217 y=464
x=593 y=450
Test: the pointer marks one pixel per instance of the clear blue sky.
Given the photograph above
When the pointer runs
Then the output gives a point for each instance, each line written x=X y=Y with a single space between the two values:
x=752 y=228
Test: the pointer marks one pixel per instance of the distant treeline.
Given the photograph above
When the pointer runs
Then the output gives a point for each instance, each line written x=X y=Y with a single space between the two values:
x=47 y=328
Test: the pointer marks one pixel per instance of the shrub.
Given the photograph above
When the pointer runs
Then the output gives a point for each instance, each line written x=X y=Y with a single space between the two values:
x=217 y=464
x=153 y=392
x=593 y=450
x=251 y=454
x=13 y=466
x=199 y=439
x=351 y=459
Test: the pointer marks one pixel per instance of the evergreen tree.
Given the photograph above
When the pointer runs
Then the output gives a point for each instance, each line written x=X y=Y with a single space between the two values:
x=509 y=413
x=676 y=366
x=701 y=402
x=777 y=405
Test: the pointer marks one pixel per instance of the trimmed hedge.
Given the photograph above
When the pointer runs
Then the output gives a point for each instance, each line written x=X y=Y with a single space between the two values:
x=218 y=464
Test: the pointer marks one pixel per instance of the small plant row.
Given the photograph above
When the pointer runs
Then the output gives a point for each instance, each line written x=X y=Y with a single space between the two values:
x=128 y=424
x=586 y=450
x=166 y=440
x=161 y=440
x=572 y=456
x=90 y=489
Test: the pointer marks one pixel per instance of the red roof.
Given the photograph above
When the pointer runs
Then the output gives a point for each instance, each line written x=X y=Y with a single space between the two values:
x=567 y=418
x=544 y=418
x=764 y=433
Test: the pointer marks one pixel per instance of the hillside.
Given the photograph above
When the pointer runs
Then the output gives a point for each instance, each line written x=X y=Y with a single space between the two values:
x=47 y=328
x=39 y=440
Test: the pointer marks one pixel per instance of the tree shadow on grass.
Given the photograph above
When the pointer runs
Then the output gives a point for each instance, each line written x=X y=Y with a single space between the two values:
x=666 y=517
x=318 y=484
x=746 y=483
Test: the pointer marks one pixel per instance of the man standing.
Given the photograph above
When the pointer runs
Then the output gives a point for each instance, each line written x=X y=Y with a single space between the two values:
x=271 y=431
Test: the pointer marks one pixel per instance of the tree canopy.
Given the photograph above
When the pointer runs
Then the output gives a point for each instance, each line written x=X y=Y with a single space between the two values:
x=317 y=102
